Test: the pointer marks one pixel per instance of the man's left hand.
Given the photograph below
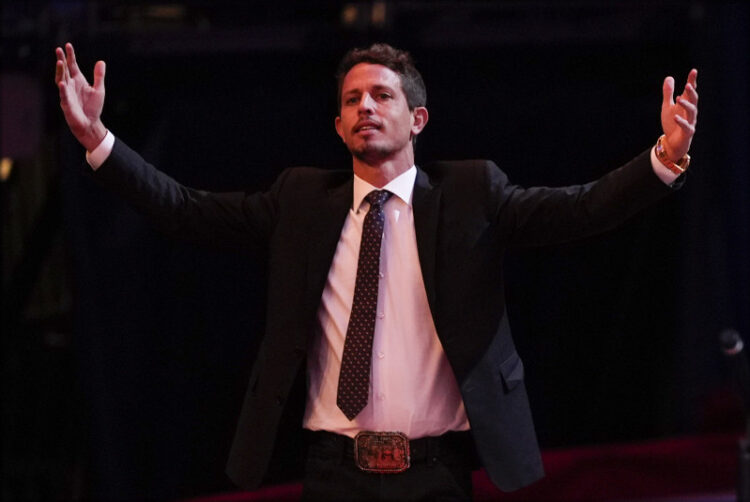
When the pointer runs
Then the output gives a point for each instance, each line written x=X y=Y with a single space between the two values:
x=678 y=117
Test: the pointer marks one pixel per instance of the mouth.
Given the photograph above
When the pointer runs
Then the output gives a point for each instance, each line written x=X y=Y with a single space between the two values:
x=366 y=125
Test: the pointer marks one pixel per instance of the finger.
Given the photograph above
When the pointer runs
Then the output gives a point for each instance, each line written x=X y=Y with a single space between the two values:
x=72 y=65
x=99 y=69
x=668 y=91
x=690 y=93
x=59 y=71
x=62 y=60
x=693 y=78
x=690 y=108
x=684 y=124
x=62 y=88
x=63 y=91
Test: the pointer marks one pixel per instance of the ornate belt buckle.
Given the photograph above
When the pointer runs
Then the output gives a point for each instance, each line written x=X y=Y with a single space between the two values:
x=381 y=452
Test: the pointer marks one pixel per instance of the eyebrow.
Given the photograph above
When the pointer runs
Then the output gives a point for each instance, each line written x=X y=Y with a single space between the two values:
x=377 y=87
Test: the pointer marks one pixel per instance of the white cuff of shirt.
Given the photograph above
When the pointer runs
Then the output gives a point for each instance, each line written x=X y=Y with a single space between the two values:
x=661 y=170
x=98 y=155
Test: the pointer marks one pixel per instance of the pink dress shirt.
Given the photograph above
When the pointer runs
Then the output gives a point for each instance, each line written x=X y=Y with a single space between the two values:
x=412 y=387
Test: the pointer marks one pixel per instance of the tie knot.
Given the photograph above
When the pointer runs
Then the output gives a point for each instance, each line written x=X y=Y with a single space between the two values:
x=377 y=198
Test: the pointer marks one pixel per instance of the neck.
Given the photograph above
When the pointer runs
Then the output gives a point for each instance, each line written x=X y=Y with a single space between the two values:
x=380 y=173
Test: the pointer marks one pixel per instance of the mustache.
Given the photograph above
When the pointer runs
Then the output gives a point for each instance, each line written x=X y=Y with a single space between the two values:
x=366 y=123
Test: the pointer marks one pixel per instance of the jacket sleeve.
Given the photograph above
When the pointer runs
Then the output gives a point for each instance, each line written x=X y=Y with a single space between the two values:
x=224 y=219
x=542 y=215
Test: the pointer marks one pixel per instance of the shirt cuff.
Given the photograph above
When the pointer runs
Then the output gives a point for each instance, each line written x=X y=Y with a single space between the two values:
x=660 y=170
x=98 y=155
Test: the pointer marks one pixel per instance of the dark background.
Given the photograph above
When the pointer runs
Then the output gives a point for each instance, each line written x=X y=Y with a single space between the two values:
x=125 y=354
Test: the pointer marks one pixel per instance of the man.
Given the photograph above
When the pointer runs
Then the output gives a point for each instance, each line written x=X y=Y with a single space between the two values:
x=387 y=337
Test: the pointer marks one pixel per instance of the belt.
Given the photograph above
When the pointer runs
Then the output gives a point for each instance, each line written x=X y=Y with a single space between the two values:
x=447 y=447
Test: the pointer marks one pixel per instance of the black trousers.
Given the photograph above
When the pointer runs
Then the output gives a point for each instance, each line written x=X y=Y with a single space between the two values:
x=440 y=471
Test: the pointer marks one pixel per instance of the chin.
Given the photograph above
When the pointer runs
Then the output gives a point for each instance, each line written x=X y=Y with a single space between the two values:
x=371 y=152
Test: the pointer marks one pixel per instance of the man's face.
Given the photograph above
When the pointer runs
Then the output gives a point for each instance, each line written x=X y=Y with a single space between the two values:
x=375 y=122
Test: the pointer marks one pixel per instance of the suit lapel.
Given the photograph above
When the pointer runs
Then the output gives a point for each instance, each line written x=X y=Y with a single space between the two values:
x=324 y=236
x=326 y=231
x=426 y=203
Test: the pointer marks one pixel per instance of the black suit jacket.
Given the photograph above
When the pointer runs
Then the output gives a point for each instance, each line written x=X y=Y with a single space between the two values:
x=466 y=215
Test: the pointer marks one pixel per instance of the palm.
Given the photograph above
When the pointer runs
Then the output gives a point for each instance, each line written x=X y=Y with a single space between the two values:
x=678 y=118
x=673 y=133
x=81 y=103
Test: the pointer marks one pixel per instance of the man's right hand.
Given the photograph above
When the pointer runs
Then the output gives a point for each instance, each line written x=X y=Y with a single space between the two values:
x=81 y=103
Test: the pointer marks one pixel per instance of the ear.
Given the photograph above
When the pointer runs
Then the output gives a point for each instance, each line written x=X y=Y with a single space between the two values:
x=339 y=130
x=419 y=119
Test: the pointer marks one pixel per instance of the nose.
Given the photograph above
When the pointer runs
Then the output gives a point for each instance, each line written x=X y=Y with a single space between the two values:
x=366 y=103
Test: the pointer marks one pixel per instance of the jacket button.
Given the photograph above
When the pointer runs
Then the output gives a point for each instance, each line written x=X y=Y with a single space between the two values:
x=279 y=400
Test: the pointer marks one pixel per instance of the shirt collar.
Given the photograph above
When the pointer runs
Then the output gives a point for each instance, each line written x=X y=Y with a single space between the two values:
x=402 y=186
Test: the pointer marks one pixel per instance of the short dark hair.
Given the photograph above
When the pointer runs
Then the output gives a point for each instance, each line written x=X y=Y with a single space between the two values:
x=397 y=60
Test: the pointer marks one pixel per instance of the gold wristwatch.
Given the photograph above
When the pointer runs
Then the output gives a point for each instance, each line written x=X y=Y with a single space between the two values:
x=678 y=167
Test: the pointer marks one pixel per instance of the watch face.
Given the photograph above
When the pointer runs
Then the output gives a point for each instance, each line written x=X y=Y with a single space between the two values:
x=678 y=167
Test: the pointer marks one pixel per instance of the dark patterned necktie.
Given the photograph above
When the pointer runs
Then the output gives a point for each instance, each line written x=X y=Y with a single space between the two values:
x=354 y=379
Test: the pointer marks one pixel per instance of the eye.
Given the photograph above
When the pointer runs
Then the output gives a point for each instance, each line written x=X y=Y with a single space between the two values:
x=351 y=100
x=384 y=96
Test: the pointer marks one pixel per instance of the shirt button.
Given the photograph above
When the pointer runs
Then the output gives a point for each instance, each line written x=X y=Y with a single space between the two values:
x=381 y=315
x=381 y=355
x=381 y=275
x=381 y=396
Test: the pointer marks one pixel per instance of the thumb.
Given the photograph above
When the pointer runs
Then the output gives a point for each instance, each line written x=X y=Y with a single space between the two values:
x=668 y=91
x=99 y=69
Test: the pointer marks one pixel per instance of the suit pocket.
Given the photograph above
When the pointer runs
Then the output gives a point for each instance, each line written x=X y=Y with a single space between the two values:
x=510 y=372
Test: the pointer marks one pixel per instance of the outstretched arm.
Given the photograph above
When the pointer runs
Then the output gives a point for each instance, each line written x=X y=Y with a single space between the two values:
x=81 y=103
x=540 y=215
x=678 y=117
x=219 y=219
